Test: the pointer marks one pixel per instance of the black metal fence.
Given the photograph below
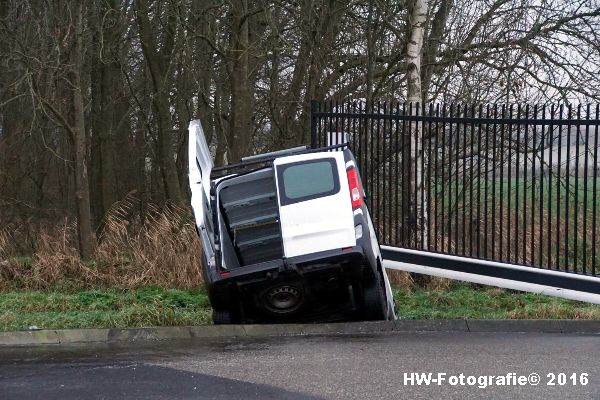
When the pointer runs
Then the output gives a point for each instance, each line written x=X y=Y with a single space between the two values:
x=510 y=183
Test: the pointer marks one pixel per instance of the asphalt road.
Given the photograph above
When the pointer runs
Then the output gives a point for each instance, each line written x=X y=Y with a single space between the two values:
x=335 y=367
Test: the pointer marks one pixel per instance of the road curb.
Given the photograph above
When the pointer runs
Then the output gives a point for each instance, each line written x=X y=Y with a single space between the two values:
x=115 y=335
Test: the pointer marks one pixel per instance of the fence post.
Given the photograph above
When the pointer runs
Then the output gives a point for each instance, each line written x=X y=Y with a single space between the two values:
x=314 y=106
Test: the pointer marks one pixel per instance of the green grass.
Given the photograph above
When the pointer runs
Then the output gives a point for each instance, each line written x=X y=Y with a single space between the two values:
x=103 y=308
x=521 y=190
x=463 y=300
x=154 y=306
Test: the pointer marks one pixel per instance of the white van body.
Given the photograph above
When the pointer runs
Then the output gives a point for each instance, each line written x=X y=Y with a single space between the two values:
x=287 y=236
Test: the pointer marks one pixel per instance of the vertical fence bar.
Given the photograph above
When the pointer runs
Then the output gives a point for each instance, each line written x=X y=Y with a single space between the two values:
x=517 y=162
x=337 y=123
x=550 y=172
x=315 y=122
x=443 y=171
x=340 y=134
x=368 y=126
x=371 y=175
x=533 y=180
x=405 y=175
x=415 y=107
x=450 y=167
x=448 y=189
x=354 y=117
x=345 y=125
x=436 y=185
x=487 y=174
x=559 y=162
x=318 y=121
x=479 y=150
x=457 y=160
x=594 y=185
x=510 y=144
x=393 y=179
x=384 y=163
x=585 y=187
x=329 y=123
x=525 y=153
x=428 y=219
x=502 y=147
x=415 y=151
x=464 y=182
x=567 y=186
x=542 y=146
x=471 y=155
x=326 y=121
x=390 y=180
x=358 y=133
x=422 y=218
x=576 y=194
x=377 y=167
x=398 y=179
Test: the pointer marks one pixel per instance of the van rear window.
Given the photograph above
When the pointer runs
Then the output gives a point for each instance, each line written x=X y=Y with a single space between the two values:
x=307 y=180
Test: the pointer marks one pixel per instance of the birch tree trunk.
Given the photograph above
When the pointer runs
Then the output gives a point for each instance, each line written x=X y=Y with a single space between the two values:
x=417 y=16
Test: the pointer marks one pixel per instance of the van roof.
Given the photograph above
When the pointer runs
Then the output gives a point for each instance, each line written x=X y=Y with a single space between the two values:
x=257 y=162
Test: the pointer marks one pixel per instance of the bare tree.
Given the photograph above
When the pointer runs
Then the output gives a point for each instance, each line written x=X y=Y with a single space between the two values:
x=63 y=101
x=106 y=89
x=160 y=54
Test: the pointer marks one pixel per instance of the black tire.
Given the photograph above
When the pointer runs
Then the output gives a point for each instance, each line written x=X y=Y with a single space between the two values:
x=375 y=306
x=221 y=317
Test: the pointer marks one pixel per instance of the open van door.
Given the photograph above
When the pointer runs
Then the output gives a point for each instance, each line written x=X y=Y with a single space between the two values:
x=200 y=166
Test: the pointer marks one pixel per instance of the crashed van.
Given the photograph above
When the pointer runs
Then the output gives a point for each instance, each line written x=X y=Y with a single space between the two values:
x=287 y=236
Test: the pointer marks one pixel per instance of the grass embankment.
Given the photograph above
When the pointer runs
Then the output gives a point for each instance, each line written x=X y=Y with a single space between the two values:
x=154 y=306
x=103 y=308
x=462 y=300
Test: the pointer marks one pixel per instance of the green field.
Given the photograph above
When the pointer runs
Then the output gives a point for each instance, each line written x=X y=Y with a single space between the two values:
x=154 y=306
x=521 y=190
x=522 y=209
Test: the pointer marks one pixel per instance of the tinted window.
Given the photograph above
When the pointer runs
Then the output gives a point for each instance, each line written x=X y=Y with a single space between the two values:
x=308 y=180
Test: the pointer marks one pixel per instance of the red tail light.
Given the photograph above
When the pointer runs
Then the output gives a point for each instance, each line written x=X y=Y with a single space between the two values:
x=355 y=193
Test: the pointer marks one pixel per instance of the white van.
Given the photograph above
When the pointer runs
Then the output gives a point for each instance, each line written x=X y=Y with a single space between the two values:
x=287 y=237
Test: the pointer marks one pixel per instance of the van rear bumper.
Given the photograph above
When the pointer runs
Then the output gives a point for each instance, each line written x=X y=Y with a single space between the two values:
x=320 y=276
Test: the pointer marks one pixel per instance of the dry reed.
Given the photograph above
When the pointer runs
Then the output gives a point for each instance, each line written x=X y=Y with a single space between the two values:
x=159 y=247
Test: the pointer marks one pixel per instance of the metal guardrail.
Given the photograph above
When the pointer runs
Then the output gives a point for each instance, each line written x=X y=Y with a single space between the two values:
x=537 y=280
x=515 y=184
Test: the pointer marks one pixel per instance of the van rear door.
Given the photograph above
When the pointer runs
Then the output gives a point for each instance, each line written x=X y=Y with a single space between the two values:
x=314 y=202
x=200 y=166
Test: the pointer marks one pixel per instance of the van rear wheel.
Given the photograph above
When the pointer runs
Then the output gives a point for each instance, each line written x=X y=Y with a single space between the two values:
x=375 y=305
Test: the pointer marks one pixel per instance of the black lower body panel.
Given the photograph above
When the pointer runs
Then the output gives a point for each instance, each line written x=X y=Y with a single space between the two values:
x=311 y=289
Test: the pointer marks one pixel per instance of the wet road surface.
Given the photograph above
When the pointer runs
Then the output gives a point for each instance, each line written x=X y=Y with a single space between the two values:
x=316 y=367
